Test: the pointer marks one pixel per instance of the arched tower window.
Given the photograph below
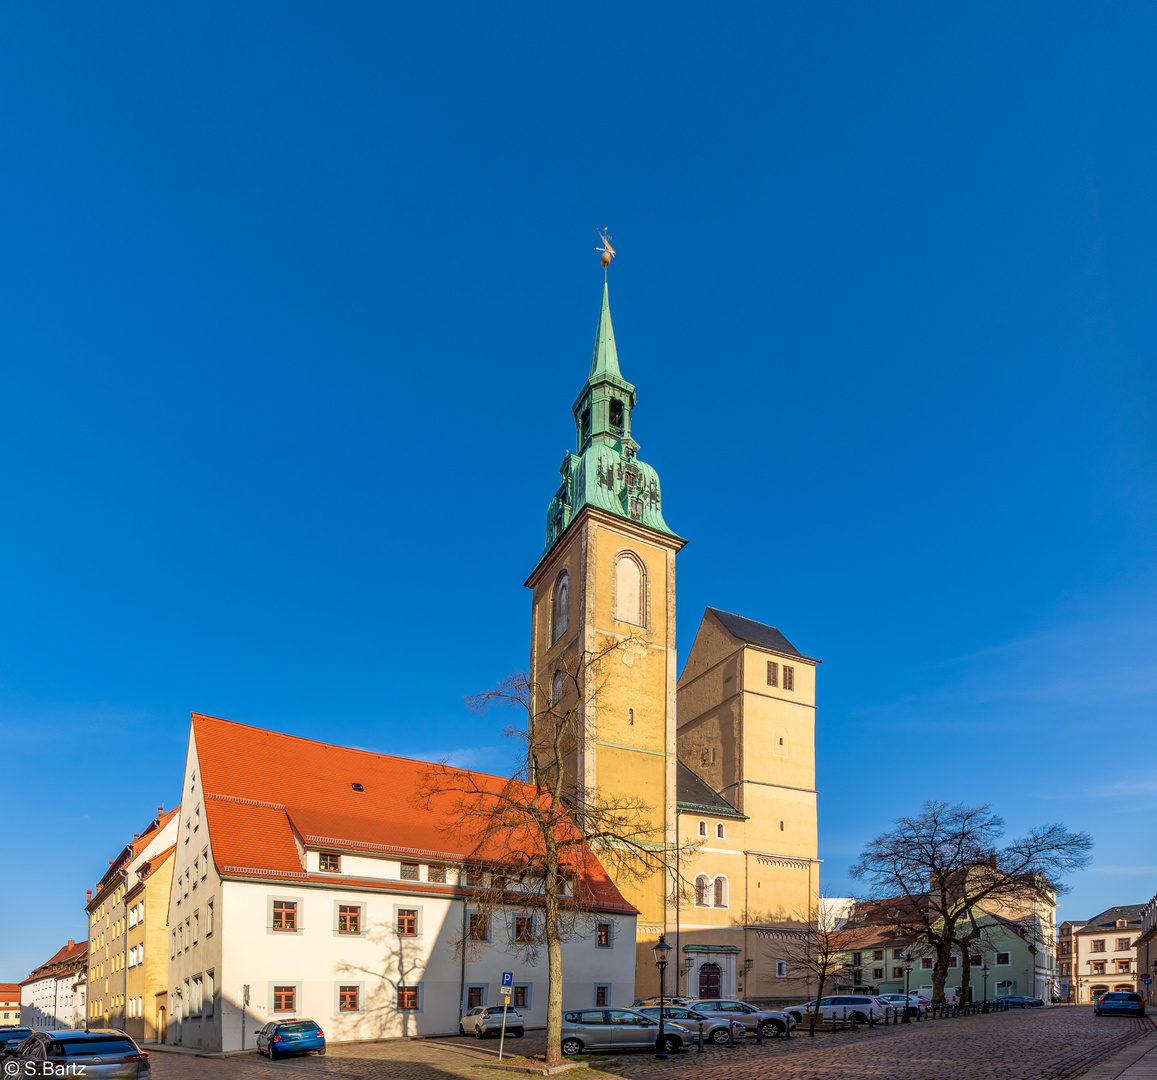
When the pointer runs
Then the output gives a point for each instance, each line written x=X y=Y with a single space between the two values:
x=560 y=606
x=629 y=589
x=720 y=892
x=719 y=830
x=702 y=885
x=703 y=828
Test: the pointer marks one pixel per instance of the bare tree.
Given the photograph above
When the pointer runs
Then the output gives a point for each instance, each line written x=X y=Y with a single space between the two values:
x=818 y=947
x=542 y=850
x=926 y=875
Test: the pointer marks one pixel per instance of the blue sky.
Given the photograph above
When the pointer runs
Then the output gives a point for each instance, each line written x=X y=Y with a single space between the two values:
x=295 y=300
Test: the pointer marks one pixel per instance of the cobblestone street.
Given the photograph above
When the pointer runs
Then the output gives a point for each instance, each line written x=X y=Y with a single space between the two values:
x=1037 y=1044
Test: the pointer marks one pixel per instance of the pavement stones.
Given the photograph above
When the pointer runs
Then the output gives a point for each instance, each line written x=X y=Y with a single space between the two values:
x=1035 y=1044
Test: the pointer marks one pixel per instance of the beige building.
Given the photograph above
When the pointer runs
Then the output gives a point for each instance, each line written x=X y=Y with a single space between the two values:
x=108 y=924
x=724 y=755
x=746 y=707
x=1146 y=946
x=147 y=963
x=1104 y=955
x=9 y=1004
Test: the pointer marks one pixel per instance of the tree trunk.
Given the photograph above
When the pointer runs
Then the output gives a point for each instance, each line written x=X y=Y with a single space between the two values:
x=940 y=972
x=966 y=974
x=816 y=1010
x=554 y=973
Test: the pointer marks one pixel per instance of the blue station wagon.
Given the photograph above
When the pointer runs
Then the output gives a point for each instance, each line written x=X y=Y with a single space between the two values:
x=1119 y=1003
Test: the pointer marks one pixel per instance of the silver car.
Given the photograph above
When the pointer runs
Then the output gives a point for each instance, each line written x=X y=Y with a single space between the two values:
x=770 y=1022
x=104 y=1055
x=715 y=1028
x=618 y=1029
x=485 y=1020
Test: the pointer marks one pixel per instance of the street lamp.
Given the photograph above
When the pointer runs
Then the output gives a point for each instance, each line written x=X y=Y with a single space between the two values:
x=907 y=961
x=984 y=972
x=661 y=950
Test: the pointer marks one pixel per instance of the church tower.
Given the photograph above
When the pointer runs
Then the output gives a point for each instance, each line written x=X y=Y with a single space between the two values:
x=608 y=574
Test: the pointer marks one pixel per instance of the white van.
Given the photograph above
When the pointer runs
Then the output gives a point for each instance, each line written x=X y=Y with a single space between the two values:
x=951 y=994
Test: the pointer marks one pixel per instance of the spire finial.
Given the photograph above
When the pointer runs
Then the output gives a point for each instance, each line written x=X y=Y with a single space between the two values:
x=608 y=252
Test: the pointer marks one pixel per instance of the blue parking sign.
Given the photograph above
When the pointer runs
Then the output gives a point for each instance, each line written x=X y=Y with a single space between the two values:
x=508 y=978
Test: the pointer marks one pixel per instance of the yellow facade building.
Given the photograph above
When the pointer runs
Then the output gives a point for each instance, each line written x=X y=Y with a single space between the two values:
x=147 y=965
x=724 y=755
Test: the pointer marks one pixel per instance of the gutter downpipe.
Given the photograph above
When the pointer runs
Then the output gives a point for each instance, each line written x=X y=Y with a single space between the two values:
x=462 y=977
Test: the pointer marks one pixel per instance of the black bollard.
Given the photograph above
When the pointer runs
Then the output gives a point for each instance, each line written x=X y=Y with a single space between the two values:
x=759 y=1034
x=702 y=1049
x=833 y=1021
x=731 y=1044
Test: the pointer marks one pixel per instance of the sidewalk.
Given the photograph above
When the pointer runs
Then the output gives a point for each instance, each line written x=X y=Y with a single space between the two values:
x=1138 y=1061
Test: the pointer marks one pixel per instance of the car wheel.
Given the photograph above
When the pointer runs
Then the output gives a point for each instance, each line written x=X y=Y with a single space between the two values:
x=461 y=1030
x=571 y=1046
x=719 y=1036
x=671 y=1043
x=769 y=1029
x=1024 y=1004
x=321 y=1052
x=479 y=1033
x=518 y=1033
x=862 y=1018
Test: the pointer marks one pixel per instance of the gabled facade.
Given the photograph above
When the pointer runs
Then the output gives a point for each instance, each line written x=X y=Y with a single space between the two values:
x=1105 y=953
x=108 y=924
x=9 y=1003
x=147 y=963
x=307 y=883
x=1146 y=946
x=48 y=997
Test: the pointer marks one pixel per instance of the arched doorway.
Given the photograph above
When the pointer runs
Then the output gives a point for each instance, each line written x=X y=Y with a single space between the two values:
x=709 y=980
x=1096 y=991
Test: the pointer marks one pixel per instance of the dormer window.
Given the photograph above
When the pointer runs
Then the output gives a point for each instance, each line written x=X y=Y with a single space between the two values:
x=358 y=787
x=616 y=415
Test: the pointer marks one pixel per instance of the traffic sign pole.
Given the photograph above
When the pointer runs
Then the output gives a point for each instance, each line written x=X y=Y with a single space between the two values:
x=507 y=983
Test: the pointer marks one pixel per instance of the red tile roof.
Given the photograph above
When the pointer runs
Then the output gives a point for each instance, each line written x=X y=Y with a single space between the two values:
x=9 y=991
x=71 y=957
x=261 y=787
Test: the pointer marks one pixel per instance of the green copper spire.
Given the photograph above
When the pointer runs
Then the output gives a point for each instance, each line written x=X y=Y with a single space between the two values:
x=605 y=472
x=605 y=358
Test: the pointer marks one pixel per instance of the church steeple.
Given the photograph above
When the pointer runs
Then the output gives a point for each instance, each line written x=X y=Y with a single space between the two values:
x=605 y=471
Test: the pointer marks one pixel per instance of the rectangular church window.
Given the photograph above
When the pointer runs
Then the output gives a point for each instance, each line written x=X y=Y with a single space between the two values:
x=772 y=673
x=788 y=677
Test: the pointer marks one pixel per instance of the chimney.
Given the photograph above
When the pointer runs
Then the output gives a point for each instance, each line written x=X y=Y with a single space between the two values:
x=160 y=810
x=110 y=862
x=88 y=896
x=992 y=860
x=71 y=943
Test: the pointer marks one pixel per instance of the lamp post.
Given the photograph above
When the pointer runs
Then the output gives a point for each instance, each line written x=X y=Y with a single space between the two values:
x=662 y=951
x=984 y=972
x=907 y=961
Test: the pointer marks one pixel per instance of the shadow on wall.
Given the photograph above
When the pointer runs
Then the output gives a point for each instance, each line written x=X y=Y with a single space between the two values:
x=391 y=1004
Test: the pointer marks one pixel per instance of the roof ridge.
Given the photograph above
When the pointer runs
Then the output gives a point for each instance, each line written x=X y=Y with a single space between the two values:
x=341 y=746
x=243 y=801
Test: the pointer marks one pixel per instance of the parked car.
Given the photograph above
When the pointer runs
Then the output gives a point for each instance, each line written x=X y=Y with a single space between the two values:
x=281 y=1037
x=916 y=1004
x=770 y=1022
x=858 y=1007
x=618 y=1029
x=638 y=1003
x=1118 y=1001
x=715 y=1028
x=102 y=1055
x=11 y=1036
x=798 y=1012
x=485 y=1020
x=1016 y=1001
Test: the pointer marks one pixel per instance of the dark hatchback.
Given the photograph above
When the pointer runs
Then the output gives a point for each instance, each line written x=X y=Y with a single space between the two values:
x=1015 y=1001
x=290 y=1037
x=1119 y=1003
x=98 y=1055
x=11 y=1037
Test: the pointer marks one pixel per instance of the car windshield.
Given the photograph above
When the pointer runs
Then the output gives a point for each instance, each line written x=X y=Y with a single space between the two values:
x=301 y=1028
x=95 y=1046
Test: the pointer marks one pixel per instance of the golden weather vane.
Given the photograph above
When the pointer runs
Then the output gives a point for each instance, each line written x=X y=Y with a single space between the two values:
x=608 y=252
